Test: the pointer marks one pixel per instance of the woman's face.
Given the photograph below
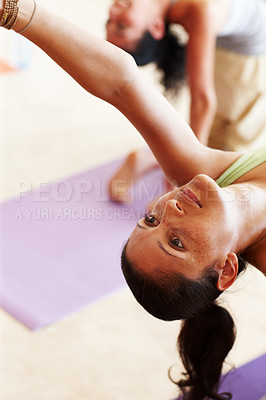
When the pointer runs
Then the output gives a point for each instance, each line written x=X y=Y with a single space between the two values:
x=189 y=229
x=128 y=21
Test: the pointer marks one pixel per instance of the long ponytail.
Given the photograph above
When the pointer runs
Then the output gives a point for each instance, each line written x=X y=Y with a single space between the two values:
x=203 y=344
x=208 y=331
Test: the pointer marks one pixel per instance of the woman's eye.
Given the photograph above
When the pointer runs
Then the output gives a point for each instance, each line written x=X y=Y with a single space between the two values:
x=150 y=220
x=177 y=243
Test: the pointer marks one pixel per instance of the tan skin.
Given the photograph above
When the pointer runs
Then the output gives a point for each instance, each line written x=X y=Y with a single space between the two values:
x=188 y=231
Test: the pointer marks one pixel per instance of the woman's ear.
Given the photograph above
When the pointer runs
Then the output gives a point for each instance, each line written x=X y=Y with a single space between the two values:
x=157 y=28
x=228 y=272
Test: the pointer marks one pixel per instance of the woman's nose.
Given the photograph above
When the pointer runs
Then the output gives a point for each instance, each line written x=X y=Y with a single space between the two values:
x=172 y=208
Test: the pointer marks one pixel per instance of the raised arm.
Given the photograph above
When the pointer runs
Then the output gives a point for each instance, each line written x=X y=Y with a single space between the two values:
x=202 y=20
x=111 y=74
x=200 y=70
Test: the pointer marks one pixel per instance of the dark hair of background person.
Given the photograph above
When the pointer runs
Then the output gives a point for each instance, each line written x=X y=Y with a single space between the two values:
x=207 y=331
x=169 y=56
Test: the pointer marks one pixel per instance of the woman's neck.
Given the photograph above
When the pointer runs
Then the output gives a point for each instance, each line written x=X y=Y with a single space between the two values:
x=250 y=219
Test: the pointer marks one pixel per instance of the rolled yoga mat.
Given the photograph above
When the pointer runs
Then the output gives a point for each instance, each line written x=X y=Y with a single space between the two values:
x=61 y=244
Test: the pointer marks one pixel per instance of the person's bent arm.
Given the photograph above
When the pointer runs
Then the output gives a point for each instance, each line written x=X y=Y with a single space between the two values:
x=200 y=68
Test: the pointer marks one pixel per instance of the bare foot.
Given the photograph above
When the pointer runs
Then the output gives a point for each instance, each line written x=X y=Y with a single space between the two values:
x=136 y=164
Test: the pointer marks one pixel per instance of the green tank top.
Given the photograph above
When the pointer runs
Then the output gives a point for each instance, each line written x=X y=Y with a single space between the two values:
x=242 y=165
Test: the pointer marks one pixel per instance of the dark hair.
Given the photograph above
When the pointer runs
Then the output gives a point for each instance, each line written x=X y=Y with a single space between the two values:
x=203 y=343
x=169 y=56
x=208 y=332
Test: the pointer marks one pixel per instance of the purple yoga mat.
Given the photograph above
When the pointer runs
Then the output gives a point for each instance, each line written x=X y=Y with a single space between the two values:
x=247 y=382
x=61 y=244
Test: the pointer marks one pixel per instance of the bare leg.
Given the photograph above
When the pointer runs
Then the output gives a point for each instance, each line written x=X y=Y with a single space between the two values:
x=136 y=164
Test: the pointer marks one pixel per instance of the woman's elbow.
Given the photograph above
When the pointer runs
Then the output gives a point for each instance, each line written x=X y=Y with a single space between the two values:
x=204 y=102
x=126 y=74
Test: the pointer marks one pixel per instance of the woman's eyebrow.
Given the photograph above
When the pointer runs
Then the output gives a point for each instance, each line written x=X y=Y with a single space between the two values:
x=159 y=243
x=141 y=226
x=164 y=249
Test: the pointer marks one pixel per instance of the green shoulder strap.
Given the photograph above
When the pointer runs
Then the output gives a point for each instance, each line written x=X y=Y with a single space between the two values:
x=242 y=165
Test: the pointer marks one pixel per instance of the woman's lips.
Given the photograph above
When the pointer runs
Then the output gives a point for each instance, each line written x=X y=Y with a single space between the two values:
x=192 y=196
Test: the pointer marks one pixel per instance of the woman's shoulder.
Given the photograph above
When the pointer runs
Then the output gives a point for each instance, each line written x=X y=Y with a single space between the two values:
x=256 y=255
x=235 y=167
x=183 y=9
x=256 y=176
x=191 y=13
x=253 y=167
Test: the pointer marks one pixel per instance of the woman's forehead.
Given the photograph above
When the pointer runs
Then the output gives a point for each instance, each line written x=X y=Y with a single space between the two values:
x=148 y=253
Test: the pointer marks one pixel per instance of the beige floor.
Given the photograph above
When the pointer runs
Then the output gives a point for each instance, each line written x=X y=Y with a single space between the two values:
x=51 y=128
